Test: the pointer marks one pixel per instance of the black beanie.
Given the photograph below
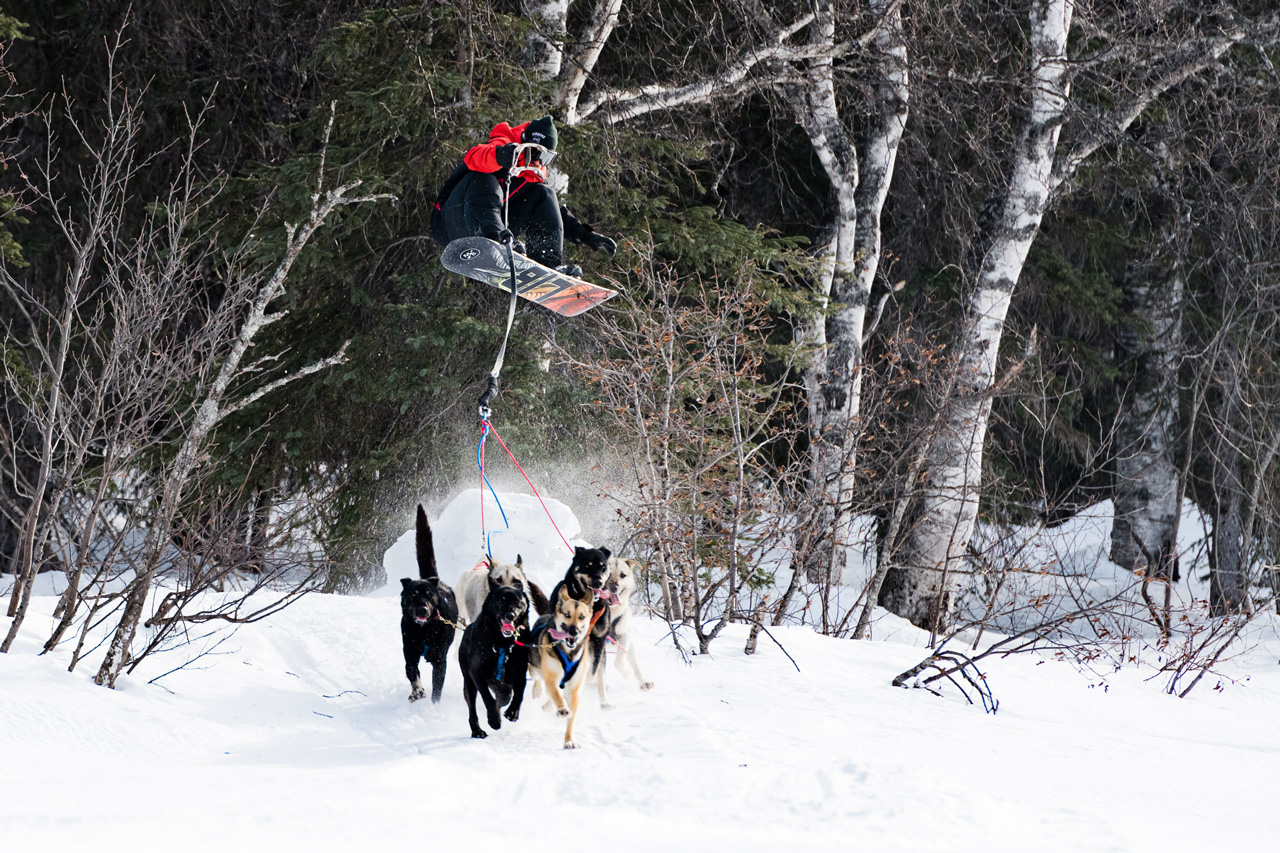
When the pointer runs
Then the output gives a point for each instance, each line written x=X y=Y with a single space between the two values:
x=542 y=132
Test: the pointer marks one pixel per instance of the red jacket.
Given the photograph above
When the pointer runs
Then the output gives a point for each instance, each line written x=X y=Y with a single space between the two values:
x=484 y=158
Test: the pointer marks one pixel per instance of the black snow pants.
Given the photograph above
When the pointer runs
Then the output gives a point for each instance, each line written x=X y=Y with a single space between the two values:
x=472 y=206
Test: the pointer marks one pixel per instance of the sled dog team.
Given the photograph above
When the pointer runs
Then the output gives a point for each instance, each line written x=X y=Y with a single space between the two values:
x=562 y=650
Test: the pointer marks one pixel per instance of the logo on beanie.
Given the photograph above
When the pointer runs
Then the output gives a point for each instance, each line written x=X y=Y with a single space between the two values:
x=539 y=138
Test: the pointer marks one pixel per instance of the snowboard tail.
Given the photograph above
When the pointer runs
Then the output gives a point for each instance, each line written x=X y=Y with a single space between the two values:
x=484 y=260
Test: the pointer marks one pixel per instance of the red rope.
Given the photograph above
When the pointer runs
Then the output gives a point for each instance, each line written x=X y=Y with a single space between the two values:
x=484 y=543
x=531 y=486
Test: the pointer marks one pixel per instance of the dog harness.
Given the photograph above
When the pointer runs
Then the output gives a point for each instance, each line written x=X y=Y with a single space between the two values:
x=569 y=668
x=502 y=661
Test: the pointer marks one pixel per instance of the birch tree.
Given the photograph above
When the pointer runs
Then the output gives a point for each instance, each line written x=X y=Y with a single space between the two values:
x=922 y=585
x=799 y=58
x=129 y=338
x=546 y=41
x=218 y=403
x=848 y=266
x=1147 y=472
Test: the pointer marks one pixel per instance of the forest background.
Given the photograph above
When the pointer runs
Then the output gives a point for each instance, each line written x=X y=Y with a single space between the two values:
x=890 y=270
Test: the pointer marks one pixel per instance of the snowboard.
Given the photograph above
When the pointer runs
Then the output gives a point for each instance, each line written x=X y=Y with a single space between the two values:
x=484 y=260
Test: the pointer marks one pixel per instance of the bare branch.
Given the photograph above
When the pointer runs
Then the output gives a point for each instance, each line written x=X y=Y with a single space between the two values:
x=337 y=358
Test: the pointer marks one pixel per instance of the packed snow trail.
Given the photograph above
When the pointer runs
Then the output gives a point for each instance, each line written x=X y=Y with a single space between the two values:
x=297 y=734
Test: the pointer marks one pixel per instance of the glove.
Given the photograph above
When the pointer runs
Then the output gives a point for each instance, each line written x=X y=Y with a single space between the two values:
x=506 y=155
x=601 y=243
x=503 y=236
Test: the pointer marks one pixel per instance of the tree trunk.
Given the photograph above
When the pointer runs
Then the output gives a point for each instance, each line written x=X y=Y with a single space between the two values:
x=1228 y=570
x=836 y=341
x=546 y=42
x=1147 y=492
x=577 y=68
x=923 y=587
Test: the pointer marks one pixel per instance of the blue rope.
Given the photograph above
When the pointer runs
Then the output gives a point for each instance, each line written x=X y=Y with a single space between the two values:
x=484 y=433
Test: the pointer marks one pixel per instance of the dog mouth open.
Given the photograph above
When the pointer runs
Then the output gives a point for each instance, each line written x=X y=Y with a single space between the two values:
x=557 y=635
x=508 y=629
x=607 y=596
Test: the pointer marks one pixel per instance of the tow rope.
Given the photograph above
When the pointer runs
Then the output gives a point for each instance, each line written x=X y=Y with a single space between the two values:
x=486 y=427
x=509 y=242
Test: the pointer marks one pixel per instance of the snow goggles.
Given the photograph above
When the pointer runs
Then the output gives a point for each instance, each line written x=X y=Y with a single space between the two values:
x=540 y=154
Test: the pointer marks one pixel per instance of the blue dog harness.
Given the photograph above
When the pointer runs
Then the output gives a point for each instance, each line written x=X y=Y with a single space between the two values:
x=569 y=669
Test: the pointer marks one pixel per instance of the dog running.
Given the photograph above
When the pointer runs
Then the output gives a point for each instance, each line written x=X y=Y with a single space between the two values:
x=428 y=615
x=472 y=588
x=494 y=656
x=560 y=656
x=620 y=586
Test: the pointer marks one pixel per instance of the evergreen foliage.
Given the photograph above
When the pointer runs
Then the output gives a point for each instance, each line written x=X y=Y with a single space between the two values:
x=725 y=193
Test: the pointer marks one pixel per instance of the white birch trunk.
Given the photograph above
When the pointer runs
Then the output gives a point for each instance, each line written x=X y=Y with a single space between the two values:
x=546 y=42
x=835 y=342
x=211 y=411
x=1146 y=479
x=923 y=587
x=577 y=68
x=850 y=263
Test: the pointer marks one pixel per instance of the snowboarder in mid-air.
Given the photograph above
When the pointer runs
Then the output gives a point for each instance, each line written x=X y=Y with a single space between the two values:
x=513 y=163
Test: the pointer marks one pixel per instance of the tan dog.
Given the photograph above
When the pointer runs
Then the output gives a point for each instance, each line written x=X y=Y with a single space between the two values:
x=474 y=585
x=621 y=584
x=560 y=657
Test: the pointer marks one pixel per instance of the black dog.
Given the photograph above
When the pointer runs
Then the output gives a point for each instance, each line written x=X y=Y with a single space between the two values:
x=429 y=613
x=494 y=656
x=588 y=571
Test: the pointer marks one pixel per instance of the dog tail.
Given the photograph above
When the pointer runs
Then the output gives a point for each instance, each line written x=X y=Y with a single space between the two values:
x=426 y=551
x=541 y=604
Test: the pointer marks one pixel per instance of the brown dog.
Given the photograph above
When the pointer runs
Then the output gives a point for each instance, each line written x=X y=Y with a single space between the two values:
x=561 y=656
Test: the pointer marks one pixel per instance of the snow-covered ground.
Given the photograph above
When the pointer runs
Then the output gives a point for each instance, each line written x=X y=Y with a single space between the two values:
x=296 y=734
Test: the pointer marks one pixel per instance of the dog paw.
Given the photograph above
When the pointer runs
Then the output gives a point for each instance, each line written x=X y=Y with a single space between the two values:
x=568 y=744
x=606 y=706
x=495 y=722
x=512 y=715
x=562 y=712
x=417 y=694
x=478 y=733
x=648 y=685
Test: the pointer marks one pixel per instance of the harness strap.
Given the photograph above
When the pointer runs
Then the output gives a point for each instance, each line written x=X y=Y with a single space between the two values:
x=595 y=617
x=569 y=669
x=502 y=662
